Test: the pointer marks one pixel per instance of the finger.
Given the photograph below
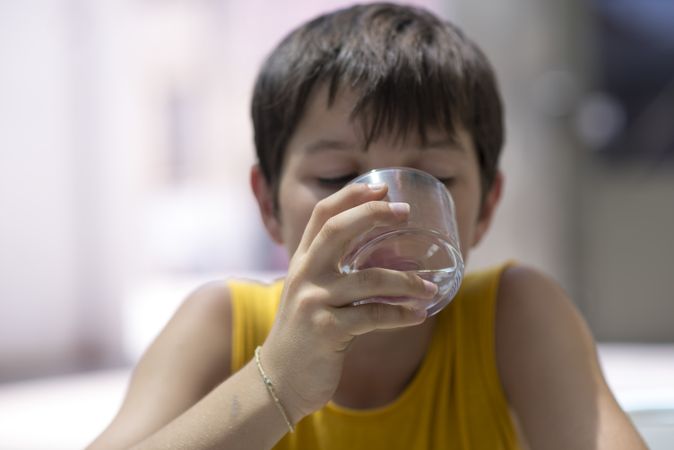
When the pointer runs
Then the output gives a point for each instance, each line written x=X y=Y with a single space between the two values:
x=407 y=302
x=350 y=196
x=358 y=320
x=374 y=283
x=340 y=230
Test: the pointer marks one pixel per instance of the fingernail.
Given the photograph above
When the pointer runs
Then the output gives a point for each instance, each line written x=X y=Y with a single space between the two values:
x=376 y=186
x=401 y=210
x=431 y=288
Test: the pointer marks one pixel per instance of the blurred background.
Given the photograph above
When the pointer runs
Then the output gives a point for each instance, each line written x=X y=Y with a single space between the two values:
x=126 y=143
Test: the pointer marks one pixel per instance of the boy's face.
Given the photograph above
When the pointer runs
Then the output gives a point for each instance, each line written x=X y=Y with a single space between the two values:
x=327 y=150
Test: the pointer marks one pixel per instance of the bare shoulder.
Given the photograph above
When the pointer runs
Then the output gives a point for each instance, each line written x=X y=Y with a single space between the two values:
x=207 y=310
x=547 y=361
x=188 y=358
x=536 y=323
x=196 y=342
x=531 y=303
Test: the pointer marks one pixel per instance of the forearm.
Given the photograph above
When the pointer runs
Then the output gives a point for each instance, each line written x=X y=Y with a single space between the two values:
x=239 y=413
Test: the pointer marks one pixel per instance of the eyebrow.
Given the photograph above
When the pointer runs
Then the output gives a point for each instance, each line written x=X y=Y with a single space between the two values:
x=449 y=143
x=328 y=144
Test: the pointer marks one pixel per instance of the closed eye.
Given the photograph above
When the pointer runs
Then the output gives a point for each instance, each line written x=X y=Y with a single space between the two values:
x=448 y=181
x=337 y=182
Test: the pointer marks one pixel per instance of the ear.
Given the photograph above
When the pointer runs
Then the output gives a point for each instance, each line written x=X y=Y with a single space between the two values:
x=265 y=201
x=489 y=205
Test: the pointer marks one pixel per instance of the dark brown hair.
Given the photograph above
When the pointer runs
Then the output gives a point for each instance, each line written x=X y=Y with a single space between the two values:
x=409 y=71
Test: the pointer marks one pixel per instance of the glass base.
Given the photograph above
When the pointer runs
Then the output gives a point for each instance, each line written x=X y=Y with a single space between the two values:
x=424 y=252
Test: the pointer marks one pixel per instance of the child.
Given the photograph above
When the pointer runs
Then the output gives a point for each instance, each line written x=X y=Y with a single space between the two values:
x=508 y=364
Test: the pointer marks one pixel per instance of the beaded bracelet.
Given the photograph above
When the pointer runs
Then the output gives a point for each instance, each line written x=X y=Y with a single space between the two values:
x=270 y=388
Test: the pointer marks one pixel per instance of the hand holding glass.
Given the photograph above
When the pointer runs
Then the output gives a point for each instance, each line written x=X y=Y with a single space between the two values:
x=426 y=244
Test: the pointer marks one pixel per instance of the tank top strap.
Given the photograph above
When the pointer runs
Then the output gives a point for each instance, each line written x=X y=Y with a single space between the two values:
x=254 y=307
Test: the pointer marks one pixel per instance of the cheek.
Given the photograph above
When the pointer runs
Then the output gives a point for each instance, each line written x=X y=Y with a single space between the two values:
x=296 y=206
x=466 y=220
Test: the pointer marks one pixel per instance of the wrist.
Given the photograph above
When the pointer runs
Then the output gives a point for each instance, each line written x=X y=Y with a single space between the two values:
x=294 y=386
x=269 y=385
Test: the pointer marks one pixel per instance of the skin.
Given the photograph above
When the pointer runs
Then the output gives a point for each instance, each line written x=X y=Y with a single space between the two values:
x=321 y=348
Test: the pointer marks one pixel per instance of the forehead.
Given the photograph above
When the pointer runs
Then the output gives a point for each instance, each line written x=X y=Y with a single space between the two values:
x=332 y=120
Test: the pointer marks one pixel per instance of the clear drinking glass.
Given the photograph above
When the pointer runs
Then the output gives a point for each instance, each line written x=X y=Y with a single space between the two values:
x=426 y=244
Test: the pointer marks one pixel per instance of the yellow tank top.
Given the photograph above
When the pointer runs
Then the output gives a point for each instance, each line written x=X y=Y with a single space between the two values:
x=454 y=401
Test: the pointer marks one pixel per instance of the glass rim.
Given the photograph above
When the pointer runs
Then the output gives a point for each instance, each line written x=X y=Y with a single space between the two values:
x=420 y=172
